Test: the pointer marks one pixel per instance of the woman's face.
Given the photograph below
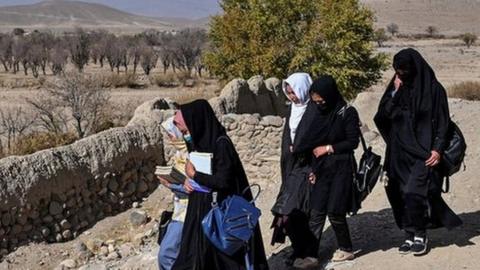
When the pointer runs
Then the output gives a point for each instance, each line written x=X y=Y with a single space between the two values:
x=317 y=99
x=180 y=123
x=291 y=94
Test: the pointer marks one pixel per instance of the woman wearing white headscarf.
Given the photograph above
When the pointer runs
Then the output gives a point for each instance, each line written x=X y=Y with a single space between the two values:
x=291 y=207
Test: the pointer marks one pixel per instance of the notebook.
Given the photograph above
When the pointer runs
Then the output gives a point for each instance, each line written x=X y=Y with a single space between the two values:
x=171 y=174
x=202 y=162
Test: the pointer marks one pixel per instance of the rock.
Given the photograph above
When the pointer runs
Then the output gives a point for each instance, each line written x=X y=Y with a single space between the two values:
x=142 y=187
x=138 y=239
x=67 y=234
x=135 y=205
x=82 y=250
x=126 y=250
x=58 y=237
x=113 y=256
x=65 y=224
x=6 y=219
x=274 y=121
x=69 y=264
x=113 y=185
x=55 y=208
x=111 y=248
x=94 y=244
x=103 y=251
x=138 y=217
x=45 y=231
x=94 y=266
x=130 y=189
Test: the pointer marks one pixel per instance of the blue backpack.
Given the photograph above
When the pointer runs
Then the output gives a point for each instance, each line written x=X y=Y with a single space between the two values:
x=230 y=225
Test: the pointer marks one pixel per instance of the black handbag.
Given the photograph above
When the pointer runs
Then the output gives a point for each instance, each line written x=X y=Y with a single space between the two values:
x=165 y=220
x=366 y=176
x=454 y=154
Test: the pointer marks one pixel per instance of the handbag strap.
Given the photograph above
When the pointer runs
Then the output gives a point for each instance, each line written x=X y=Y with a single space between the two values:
x=250 y=188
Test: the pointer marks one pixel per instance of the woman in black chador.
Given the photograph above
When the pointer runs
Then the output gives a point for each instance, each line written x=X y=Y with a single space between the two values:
x=203 y=133
x=291 y=207
x=332 y=139
x=413 y=119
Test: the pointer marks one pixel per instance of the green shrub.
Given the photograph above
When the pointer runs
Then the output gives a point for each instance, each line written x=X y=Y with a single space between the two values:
x=279 y=37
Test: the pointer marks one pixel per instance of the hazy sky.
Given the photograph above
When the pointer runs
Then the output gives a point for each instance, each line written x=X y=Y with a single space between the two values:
x=193 y=9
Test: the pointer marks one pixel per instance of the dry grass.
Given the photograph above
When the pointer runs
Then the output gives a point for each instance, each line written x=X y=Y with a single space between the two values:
x=465 y=90
x=37 y=141
x=122 y=80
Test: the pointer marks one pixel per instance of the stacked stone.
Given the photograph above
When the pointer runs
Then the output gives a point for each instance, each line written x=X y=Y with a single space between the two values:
x=64 y=215
x=258 y=141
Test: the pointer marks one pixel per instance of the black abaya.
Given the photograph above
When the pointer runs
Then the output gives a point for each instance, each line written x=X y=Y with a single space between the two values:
x=196 y=251
x=413 y=121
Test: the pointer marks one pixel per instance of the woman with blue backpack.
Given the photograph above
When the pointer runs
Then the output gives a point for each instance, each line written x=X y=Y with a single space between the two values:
x=204 y=133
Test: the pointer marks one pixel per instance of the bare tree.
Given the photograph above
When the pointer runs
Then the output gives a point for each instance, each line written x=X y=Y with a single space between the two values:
x=14 y=122
x=83 y=97
x=117 y=55
x=149 y=59
x=166 y=51
x=6 y=42
x=393 y=29
x=189 y=44
x=431 y=31
x=58 y=57
x=19 y=54
x=79 y=47
x=100 y=46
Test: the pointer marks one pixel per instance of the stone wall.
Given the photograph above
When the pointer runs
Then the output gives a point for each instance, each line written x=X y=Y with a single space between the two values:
x=55 y=194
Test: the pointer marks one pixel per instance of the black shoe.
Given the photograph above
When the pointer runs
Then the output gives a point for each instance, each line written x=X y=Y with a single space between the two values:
x=420 y=246
x=290 y=260
x=406 y=247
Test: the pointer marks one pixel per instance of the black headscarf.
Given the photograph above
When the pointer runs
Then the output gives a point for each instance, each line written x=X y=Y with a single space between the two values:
x=326 y=87
x=426 y=101
x=203 y=125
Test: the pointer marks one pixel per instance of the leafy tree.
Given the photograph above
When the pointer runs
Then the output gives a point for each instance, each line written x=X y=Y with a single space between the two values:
x=469 y=39
x=278 y=37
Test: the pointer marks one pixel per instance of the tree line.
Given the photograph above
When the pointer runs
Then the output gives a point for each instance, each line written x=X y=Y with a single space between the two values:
x=37 y=52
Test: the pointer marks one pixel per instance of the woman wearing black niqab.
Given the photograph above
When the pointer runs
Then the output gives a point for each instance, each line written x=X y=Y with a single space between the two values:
x=332 y=139
x=413 y=119
x=198 y=122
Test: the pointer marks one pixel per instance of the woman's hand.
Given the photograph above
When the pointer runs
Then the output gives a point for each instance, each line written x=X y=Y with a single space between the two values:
x=320 y=151
x=190 y=170
x=188 y=187
x=433 y=160
x=397 y=83
x=312 y=178
x=290 y=148
x=164 y=182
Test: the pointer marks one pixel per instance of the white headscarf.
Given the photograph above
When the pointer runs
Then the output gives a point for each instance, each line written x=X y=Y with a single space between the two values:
x=300 y=83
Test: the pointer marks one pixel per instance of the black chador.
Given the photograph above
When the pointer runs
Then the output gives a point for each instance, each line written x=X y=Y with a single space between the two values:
x=413 y=120
x=196 y=252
